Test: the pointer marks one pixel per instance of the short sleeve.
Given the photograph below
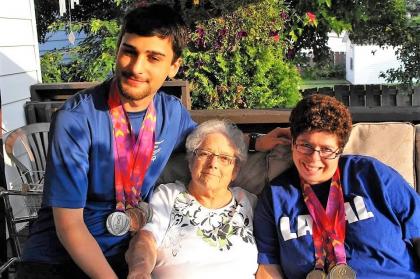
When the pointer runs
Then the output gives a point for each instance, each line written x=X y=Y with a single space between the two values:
x=404 y=201
x=265 y=230
x=161 y=204
x=67 y=166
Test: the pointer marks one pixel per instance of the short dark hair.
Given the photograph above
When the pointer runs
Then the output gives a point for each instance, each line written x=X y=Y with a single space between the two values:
x=156 y=20
x=321 y=113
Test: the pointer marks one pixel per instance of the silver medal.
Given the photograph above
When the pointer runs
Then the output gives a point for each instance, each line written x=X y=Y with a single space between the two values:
x=147 y=211
x=118 y=223
x=316 y=274
x=342 y=271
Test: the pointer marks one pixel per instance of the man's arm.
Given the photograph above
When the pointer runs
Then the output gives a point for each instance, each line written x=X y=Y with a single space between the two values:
x=272 y=139
x=269 y=271
x=141 y=255
x=80 y=244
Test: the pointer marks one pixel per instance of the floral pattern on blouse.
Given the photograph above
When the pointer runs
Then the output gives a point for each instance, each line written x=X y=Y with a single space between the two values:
x=216 y=227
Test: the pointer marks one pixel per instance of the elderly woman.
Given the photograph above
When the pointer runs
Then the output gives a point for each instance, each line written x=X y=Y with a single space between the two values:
x=332 y=215
x=203 y=229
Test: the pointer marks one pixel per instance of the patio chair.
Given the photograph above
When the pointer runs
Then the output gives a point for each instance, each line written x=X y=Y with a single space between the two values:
x=27 y=148
x=18 y=219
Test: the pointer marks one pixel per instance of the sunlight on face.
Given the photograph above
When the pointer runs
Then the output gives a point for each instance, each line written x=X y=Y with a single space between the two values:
x=312 y=168
x=212 y=173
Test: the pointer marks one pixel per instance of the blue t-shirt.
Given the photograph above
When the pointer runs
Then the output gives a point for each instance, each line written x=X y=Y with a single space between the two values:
x=382 y=212
x=80 y=167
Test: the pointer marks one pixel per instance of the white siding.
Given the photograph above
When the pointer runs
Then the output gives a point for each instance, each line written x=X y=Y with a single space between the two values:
x=336 y=43
x=22 y=27
x=19 y=63
x=349 y=62
x=368 y=62
x=21 y=9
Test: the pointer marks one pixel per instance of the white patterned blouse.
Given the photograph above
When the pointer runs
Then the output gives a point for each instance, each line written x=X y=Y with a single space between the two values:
x=198 y=242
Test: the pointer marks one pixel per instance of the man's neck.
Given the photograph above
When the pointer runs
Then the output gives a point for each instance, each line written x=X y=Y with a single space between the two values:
x=136 y=105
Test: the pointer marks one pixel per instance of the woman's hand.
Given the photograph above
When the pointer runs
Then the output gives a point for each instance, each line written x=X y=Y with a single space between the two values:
x=141 y=255
x=137 y=274
x=269 y=271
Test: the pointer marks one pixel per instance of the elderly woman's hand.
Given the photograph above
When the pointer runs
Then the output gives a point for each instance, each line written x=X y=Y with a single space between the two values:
x=273 y=138
x=141 y=255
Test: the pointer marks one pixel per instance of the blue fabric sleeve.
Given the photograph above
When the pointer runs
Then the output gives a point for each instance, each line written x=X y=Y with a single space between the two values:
x=265 y=230
x=66 y=179
x=405 y=202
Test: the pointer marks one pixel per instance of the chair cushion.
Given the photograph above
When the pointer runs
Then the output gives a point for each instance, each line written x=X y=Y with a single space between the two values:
x=393 y=143
x=262 y=167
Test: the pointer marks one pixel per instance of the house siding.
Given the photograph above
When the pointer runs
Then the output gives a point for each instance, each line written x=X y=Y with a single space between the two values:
x=368 y=61
x=19 y=64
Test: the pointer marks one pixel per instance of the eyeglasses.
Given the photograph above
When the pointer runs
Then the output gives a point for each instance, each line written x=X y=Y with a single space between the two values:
x=204 y=155
x=325 y=153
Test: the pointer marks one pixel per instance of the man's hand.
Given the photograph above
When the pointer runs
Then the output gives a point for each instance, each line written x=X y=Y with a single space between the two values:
x=273 y=138
x=76 y=238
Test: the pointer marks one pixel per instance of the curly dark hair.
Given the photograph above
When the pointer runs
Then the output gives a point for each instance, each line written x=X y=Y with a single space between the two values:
x=321 y=113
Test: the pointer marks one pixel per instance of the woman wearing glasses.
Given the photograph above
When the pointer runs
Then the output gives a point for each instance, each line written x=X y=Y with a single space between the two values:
x=333 y=215
x=203 y=229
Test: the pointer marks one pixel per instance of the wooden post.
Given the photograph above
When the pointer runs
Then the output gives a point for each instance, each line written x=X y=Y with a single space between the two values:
x=373 y=95
x=342 y=93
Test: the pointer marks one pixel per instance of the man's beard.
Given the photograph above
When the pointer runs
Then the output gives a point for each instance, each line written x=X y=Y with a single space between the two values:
x=141 y=95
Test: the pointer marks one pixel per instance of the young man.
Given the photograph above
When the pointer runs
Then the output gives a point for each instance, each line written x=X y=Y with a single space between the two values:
x=108 y=146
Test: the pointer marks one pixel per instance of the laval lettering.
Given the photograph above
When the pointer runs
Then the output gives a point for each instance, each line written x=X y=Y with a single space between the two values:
x=304 y=222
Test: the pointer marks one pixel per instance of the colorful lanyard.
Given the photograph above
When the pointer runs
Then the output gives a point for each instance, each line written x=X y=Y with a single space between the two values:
x=329 y=226
x=131 y=157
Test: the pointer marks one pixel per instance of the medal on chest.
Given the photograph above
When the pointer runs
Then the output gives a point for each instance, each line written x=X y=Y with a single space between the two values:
x=132 y=158
x=329 y=229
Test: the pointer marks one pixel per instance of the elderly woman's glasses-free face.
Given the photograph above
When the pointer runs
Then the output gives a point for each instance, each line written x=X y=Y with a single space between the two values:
x=324 y=153
x=204 y=155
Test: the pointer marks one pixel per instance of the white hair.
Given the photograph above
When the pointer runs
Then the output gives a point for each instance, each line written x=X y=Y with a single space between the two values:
x=229 y=129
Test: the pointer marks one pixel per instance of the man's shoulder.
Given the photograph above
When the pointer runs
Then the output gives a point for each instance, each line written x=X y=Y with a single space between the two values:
x=169 y=101
x=90 y=98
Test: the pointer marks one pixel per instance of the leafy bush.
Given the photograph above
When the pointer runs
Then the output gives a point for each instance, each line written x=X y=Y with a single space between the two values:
x=326 y=69
x=237 y=61
x=52 y=68
x=249 y=77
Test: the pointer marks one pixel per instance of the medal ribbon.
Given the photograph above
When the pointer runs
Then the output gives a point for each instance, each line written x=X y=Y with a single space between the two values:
x=131 y=158
x=329 y=226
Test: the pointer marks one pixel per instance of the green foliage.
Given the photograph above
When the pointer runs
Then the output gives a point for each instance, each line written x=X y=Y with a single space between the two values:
x=51 y=68
x=378 y=22
x=237 y=61
x=237 y=45
x=318 y=71
x=91 y=60
x=249 y=77
x=47 y=14
x=95 y=58
x=409 y=56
